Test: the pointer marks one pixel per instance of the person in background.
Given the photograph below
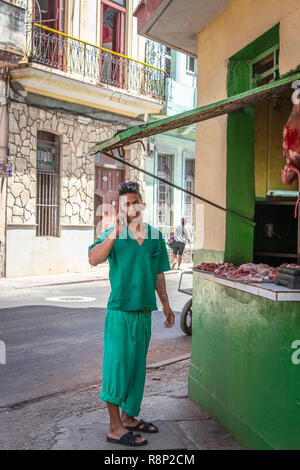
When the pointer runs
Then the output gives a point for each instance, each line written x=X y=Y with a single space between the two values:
x=181 y=237
x=171 y=240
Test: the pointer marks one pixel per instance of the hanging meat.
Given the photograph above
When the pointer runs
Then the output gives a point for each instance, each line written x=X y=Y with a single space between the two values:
x=291 y=143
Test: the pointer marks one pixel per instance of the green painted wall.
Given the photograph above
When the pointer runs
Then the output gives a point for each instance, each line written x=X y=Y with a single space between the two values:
x=241 y=370
x=207 y=256
x=240 y=183
x=240 y=195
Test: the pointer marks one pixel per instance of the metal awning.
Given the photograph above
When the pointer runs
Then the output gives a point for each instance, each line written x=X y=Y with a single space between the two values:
x=202 y=113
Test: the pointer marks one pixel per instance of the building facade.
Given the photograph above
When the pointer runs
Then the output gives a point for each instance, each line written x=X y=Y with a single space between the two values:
x=80 y=78
x=172 y=155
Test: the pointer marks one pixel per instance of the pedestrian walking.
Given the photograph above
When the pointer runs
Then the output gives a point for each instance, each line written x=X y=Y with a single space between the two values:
x=181 y=237
x=171 y=240
x=137 y=258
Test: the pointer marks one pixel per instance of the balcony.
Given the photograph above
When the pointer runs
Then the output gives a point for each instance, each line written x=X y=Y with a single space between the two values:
x=123 y=85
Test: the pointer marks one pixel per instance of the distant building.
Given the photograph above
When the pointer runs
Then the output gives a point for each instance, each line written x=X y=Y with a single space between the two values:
x=171 y=155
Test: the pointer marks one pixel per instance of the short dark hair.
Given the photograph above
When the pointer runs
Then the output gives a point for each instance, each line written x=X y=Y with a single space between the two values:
x=129 y=187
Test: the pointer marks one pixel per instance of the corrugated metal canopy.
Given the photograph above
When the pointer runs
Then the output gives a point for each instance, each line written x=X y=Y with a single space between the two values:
x=202 y=113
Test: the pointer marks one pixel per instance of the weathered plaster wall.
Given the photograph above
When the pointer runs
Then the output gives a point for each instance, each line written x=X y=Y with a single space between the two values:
x=11 y=28
x=3 y=182
x=240 y=23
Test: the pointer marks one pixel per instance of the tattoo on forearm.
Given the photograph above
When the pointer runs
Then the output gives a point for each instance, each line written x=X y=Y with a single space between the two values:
x=161 y=289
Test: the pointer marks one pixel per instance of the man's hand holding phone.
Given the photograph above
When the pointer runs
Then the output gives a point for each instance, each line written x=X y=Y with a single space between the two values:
x=120 y=222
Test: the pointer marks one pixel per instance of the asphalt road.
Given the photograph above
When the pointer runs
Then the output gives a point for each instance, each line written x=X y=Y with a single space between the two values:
x=54 y=338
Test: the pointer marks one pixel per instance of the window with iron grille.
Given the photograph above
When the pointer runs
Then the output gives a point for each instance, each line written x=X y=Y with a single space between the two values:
x=190 y=64
x=47 y=185
x=265 y=67
x=189 y=185
x=165 y=192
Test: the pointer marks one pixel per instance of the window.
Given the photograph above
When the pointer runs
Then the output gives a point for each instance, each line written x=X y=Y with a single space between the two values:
x=265 y=67
x=49 y=13
x=190 y=64
x=113 y=25
x=189 y=177
x=112 y=34
x=48 y=45
x=165 y=192
x=48 y=181
x=120 y=2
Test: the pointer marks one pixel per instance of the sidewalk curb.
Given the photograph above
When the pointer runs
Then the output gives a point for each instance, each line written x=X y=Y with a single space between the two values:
x=166 y=362
x=32 y=283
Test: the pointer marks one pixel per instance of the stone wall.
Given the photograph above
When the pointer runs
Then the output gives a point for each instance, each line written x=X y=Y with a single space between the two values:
x=137 y=156
x=76 y=135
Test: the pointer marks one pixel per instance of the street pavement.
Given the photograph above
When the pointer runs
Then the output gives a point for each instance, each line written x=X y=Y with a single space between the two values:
x=54 y=336
x=53 y=330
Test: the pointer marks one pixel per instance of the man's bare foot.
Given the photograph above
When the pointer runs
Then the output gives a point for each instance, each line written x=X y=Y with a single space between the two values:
x=118 y=432
x=132 y=422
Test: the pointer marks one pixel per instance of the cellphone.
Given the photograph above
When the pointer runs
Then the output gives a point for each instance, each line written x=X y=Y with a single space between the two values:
x=122 y=218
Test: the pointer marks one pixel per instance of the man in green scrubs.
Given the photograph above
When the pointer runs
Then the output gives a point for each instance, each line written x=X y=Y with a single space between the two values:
x=137 y=258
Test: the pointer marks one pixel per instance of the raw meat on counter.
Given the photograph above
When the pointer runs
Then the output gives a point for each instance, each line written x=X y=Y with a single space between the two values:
x=290 y=265
x=209 y=267
x=246 y=272
x=225 y=269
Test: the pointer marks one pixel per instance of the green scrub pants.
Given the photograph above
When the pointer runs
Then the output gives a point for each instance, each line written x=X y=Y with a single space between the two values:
x=126 y=341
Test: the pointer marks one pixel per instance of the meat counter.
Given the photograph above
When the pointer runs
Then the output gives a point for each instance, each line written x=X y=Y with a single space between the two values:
x=268 y=290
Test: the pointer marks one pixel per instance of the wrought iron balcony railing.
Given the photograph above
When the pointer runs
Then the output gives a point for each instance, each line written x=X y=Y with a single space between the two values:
x=63 y=52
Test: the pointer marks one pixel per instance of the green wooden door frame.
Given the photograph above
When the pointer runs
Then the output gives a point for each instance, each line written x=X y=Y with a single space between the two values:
x=240 y=183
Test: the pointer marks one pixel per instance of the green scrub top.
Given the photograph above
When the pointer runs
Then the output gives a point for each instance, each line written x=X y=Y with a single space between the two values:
x=133 y=269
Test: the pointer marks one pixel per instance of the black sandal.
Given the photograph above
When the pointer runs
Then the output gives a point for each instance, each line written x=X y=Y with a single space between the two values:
x=127 y=439
x=146 y=427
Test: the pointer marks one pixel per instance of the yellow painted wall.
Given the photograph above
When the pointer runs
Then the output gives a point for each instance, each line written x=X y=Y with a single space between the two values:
x=269 y=122
x=240 y=23
x=261 y=148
